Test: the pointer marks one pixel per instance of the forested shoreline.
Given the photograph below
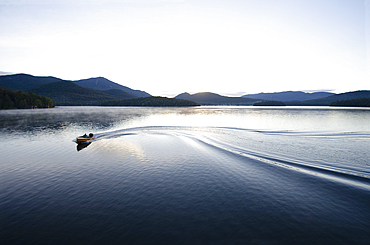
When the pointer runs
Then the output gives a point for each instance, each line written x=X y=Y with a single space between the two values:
x=21 y=100
x=361 y=102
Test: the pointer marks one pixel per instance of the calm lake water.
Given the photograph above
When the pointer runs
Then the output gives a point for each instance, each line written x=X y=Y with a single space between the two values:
x=201 y=175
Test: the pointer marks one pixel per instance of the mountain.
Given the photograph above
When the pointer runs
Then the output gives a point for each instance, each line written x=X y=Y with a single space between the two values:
x=215 y=99
x=151 y=101
x=288 y=96
x=119 y=93
x=6 y=88
x=25 y=82
x=362 y=102
x=101 y=83
x=68 y=93
x=333 y=98
x=269 y=103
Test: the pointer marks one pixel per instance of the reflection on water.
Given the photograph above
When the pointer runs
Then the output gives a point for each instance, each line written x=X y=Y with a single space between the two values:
x=205 y=175
x=81 y=146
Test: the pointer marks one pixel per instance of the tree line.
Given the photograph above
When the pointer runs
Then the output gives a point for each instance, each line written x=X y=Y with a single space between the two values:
x=270 y=103
x=22 y=100
x=361 y=102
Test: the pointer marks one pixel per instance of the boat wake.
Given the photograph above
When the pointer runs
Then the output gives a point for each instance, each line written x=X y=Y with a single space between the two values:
x=279 y=148
x=335 y=173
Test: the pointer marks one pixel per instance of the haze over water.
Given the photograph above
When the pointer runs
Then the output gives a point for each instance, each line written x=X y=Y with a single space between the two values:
x=200 y=175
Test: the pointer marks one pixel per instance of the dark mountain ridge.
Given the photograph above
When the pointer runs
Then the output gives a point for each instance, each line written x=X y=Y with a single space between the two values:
x=207 y=98
x=361 y=102
x=91 y=92
x=71 y=93
x=151 y=101
x=25 y=82
x=68 y=93
x=101 y=83
x=119 y=93
x=289 y=96
x=215 y=99
x=333 y=98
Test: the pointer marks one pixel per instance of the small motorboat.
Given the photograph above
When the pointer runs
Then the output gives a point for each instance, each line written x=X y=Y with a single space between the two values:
x=85 y=138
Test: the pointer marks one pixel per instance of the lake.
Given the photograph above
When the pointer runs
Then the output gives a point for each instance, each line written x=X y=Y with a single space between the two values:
x=197 y=175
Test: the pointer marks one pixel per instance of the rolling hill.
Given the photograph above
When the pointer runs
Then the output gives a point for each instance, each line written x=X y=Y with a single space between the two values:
x=119 y=93
x=94 y=91
x=288 y=96
x=6 y=88
x=215 y=99
x=151 y=101
x=333 y=98
x=25 y=82
x=101 y=83
x=361 y=102
x=68 y=93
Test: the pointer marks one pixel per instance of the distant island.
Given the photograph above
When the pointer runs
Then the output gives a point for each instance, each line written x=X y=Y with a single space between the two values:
x=151 y=101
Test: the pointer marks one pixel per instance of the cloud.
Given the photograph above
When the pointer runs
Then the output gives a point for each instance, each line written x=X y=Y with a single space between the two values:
x=2 y=73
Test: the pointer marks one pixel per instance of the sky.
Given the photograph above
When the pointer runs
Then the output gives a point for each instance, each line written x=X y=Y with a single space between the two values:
x=167 y=47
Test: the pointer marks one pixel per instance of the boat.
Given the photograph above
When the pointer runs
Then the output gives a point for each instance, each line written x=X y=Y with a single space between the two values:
x=85 y=138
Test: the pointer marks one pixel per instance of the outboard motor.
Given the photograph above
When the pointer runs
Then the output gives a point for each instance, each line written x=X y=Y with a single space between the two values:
x=91 y=135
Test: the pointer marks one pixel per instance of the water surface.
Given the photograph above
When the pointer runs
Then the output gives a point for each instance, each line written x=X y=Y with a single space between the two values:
x=203 y=175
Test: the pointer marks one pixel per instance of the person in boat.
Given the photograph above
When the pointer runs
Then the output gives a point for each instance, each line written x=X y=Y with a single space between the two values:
x=88 y=136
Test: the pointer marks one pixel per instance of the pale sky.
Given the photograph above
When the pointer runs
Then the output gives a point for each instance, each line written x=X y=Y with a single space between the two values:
x=166 y=47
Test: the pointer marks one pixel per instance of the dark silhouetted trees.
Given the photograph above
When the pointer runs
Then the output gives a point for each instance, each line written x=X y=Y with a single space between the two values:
x=21 y=100
x=361 y=102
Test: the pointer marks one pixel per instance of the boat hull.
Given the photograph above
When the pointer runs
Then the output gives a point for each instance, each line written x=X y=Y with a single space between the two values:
x=84 y=139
